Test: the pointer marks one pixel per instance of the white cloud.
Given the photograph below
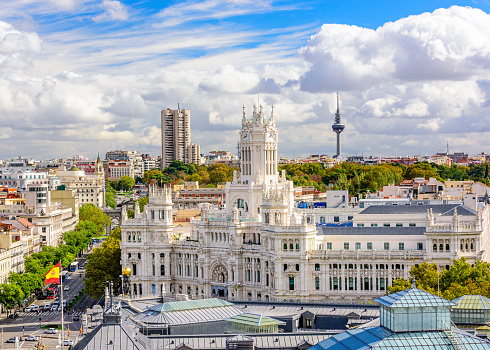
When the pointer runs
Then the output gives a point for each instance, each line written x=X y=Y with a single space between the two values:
x=113 y=10
x=408 y=85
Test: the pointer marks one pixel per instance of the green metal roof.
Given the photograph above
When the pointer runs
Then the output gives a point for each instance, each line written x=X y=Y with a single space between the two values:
x=189 y=305
x=472 y=302
x=255 y=320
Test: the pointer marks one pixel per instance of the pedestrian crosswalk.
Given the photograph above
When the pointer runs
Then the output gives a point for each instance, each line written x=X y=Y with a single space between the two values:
x=50 y=313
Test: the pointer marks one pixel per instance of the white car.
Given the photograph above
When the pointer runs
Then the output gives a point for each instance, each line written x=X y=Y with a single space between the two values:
x=32 y=338
x=54 y=307
x=67 y=342
x=47 y=307
x=34 y=307
x=28 y=309
x=66 y=288
x=60 y=307
x=51 y=331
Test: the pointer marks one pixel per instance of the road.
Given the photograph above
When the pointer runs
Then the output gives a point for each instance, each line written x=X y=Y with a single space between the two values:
x=28 y=323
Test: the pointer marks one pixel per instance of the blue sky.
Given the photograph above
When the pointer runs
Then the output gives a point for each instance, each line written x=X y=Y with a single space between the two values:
x=88 y=76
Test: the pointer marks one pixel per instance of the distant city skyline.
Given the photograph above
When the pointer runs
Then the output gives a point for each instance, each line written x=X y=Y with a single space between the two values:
x=88 y=76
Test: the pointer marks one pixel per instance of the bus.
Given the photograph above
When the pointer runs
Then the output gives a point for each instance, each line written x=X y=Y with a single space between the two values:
x=73 y=266
x=52 y=291
x=64 y=275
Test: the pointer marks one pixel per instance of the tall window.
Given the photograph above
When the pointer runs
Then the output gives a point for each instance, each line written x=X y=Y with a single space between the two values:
x=134 y=269
x=162 y=270
x=336 y=219
x=401 y=246
x=322 y=219
x=370 y=245
x=317 y=283
x=358 y=245
x=346 y=246
x=317 y=267
x=291 y=283
x=329 y=245
x=420 y=246
x=387 y=246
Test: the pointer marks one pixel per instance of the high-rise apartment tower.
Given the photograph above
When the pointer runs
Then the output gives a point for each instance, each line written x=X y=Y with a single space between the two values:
x=176 y=135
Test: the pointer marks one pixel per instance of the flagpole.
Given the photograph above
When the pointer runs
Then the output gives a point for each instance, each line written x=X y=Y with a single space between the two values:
x=62 y=322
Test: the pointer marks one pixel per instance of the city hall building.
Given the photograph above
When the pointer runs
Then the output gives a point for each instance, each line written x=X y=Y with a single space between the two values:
x=260 y=247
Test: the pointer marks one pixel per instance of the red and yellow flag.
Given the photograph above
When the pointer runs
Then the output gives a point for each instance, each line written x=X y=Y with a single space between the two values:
x=53 y=275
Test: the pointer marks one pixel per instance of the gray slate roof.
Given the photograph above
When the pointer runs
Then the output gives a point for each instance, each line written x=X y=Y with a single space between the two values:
x=437 y=209
x=282 y=311
x=261 y=341
x=122 y=336
x=371 y=231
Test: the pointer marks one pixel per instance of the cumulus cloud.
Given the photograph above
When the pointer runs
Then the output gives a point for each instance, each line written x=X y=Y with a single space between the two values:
x=406 y=87
x=448 y=44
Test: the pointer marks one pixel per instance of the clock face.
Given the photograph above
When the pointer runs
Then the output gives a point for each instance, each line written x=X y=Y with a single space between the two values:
x=270 y=136
x=245 y=136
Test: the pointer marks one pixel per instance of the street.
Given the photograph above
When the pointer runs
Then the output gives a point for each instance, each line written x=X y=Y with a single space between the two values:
x=29 y=323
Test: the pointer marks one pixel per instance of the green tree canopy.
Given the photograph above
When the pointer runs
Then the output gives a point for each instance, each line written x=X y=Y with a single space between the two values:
x=126 y=183
x=11 y=295
x=92 y=213
x=104 y=264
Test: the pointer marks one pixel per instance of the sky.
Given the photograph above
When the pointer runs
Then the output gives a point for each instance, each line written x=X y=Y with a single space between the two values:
x=89 y=76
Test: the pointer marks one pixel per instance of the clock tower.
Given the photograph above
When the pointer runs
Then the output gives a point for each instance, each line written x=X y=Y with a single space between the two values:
x=258 y=148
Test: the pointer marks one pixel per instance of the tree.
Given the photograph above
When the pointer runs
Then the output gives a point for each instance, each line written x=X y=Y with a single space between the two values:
x=90 y=212
x=142 y=201
x=28 y=282
x=398 y=285
x=126 y=183
x=104 y=264
x=11 y=295
x=424 y=170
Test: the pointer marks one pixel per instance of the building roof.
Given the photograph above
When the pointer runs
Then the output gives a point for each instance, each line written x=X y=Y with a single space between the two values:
x=75 y=168
x=113 y=336
x=261 y=341
x=370 y=231
x=189 y=305
x=286 y=311
x=255 y=320
x=412 y=297
x=382 y=338
x=473 y=302
x=187 y=312
x=437 y=209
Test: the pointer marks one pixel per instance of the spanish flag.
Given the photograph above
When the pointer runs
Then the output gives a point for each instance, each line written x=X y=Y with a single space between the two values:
x=53 y=275
x=220 y=202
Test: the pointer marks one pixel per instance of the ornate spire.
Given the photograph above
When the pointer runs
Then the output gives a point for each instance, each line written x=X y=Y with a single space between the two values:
x=244 y=117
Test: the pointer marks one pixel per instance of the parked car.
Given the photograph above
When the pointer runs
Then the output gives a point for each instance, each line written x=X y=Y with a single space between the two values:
x=66 y=288
x=32 y=338
x=34 y=307
x=51 y=331
x=10 y=340
x=67 y=342
x=47 y=307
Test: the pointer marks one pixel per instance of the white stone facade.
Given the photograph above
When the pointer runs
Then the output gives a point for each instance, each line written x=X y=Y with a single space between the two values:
x=260 y=247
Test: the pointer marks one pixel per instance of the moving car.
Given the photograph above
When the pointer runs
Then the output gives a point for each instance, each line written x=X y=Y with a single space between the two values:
x=51 y=331
x=11 y=340
x=32 y=338
x=34 y=307
x=66 y=288
x=54 y=306
x=28 y=309
x=67 y=342
x=47 y=307
x=60 y=308
x=76 y=318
